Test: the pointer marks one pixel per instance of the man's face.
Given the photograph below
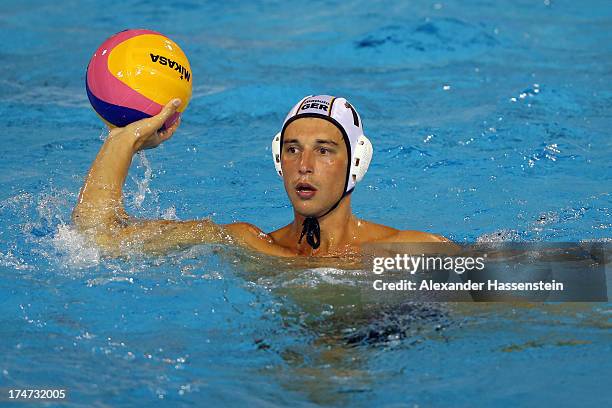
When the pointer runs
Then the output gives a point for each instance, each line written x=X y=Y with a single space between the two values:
x=314 y=161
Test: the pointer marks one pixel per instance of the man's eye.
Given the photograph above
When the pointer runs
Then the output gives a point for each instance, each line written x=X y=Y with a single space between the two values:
x=323 y=150
x=291 y=149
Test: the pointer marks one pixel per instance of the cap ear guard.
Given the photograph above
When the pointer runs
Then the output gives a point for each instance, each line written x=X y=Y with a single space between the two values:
x=361 y=159
x=276 y=151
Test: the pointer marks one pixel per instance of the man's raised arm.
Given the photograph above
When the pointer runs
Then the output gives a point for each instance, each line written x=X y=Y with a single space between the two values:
x=99 y=211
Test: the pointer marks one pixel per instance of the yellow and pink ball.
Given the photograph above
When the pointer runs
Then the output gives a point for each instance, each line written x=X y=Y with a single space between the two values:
x=134 y=73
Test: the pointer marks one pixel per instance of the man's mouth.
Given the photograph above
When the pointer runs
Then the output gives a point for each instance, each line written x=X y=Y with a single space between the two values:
x=305 y=191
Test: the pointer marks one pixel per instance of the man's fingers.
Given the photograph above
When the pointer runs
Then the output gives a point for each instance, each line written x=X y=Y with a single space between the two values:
x=154 y=123
x=167 y=133
x=166 y=113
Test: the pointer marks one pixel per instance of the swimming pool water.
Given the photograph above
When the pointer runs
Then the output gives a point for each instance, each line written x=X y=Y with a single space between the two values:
x=489 y=120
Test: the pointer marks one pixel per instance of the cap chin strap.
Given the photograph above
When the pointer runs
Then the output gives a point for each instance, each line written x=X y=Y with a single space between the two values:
x=312 y=229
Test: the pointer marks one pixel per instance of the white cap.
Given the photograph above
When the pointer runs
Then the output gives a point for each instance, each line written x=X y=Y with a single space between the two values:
x=342 y=114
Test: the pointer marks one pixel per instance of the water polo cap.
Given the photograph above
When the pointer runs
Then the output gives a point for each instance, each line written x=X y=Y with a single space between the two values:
x=342 y=114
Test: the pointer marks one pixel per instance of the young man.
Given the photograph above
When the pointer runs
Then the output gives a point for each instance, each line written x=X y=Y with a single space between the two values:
x=321 y=153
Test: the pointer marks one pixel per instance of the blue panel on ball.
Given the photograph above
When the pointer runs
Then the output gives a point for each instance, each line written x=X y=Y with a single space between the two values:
x=119 y=116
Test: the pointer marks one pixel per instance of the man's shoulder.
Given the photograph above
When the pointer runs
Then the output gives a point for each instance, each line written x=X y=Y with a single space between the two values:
x=253 y=237
x=382 y=233
x=415 y=236
x=243 y=228
x=247 y=233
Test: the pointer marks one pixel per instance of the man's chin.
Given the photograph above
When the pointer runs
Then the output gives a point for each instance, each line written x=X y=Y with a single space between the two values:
x=308 y=209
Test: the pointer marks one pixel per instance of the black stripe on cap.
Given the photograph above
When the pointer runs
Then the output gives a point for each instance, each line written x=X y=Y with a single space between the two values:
x=355 y=117
x=331 y=105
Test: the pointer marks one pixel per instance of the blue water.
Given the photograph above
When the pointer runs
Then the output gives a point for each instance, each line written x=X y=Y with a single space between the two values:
x=490 y=121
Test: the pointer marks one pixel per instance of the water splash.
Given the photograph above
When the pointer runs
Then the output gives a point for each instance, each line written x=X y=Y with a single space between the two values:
x=139 y=196
x=43 y=221
x=311 y=278
x=503 y=235
x=75 y=250
x=10 y=260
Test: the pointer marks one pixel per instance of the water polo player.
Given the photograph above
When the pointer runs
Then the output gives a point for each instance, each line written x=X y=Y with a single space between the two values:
x=321 y=153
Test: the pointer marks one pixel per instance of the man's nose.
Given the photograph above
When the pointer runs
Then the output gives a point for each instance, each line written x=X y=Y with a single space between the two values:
x=306 y=163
